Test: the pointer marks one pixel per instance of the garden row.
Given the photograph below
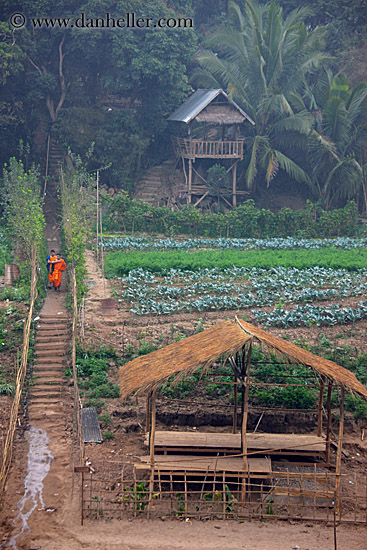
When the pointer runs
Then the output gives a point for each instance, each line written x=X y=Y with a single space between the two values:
x=120 y=213
x=290 y=243
x=239 y=288
x=120 y=263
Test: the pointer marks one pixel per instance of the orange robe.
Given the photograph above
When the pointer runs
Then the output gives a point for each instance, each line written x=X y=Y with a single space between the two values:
x=59 y=267
x=51 y=269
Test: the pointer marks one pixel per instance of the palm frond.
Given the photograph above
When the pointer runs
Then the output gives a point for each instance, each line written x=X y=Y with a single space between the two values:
x=292 y=169
x=336 y=123
x=357 y=104
x=272 y=169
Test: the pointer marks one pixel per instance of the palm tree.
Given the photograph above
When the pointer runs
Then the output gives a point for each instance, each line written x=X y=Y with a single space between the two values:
x=263 y=62
x=337 y=150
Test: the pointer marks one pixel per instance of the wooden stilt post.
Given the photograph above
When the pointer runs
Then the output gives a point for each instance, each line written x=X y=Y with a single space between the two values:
x=339 y=453
x=244 y=427
x=190 y=181
x=235 y=410
x=321 y=400
x=328 y=427
x=234 y=186
x=147 y=417
x=151 y=445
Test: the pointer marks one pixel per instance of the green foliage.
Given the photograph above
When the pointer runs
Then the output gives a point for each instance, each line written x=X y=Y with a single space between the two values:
x=92 y=367
x=218 y=181
x=107 y=435
x=77 y=219
x=247 y=221
x=120 y=263
x=139 y=495
x=5 y=254
x=22 y=202
x=105 y=417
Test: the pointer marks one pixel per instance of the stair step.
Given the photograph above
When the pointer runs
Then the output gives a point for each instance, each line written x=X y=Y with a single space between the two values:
x=51 y=361
x=52 y=340
x=45 y=401
x=61 y=329
x=55 y=366
x=53 y=334
x=59 y=317
x=47 y=352
x=51 y=346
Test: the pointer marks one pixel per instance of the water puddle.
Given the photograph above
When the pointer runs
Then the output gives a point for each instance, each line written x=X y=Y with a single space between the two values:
x=38 y=466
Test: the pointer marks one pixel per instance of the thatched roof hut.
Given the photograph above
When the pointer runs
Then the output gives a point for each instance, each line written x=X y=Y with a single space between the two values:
x=222 y=341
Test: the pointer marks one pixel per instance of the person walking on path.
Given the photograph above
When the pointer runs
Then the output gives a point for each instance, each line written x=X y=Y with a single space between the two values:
x=59 y=265
x=50 y=266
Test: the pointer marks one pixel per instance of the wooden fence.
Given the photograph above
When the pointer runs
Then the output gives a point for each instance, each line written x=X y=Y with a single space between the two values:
x=309 y=495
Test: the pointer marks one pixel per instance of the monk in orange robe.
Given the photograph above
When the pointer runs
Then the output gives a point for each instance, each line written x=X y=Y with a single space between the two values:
x=59 y=266
x=50 y=266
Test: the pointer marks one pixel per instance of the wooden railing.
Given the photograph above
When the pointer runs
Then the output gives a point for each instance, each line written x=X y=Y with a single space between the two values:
x=198 y=148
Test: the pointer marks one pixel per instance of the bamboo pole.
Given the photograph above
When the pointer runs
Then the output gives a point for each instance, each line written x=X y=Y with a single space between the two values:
x=235 y=412
x=339 y=453
x=151 y=445
x=234 y=186
x=152 y=427
x=147 y=416
x=328 y=427
x=244 y=425
x=97 y=221
x=321 y=400
x=190 y=180
x=102 y=254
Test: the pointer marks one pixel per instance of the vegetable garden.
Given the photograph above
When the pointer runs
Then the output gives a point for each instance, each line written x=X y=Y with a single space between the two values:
x=285 y=275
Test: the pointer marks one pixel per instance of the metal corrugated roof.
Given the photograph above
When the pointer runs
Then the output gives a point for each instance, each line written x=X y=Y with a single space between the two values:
x=91 y=429
x=197 y=102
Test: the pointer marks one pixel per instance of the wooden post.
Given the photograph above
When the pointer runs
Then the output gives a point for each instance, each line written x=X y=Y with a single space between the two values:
x=234 y=186
x=97 y=250
x=82 y=501
x=328 y=427
x=321 y=400
x=151 y=444
x=339 y=453
x=235 y=406
x=147 y=417
x=244 y=426
x=152 y=426
x=190 y=180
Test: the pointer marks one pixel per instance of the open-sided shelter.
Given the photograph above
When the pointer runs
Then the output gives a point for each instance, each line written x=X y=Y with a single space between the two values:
x=223 y=342
x=209 y=127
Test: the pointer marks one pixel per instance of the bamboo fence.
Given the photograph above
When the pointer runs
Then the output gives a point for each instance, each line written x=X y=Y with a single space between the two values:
x=20 y=377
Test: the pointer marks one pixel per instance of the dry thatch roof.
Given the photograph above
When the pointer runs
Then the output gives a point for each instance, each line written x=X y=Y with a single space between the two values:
x=223 y=339
x=301 y=356
x=185 y=356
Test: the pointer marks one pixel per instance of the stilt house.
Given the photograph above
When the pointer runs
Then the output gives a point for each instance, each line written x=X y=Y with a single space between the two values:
x=209 y=131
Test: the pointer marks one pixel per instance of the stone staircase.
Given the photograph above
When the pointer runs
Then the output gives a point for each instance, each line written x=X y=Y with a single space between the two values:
x=52 y=347
x=55 y=158
x=160 y=184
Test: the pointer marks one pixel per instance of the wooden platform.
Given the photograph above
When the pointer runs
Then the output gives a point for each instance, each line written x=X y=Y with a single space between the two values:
x=270 y=444
x=190 y=463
